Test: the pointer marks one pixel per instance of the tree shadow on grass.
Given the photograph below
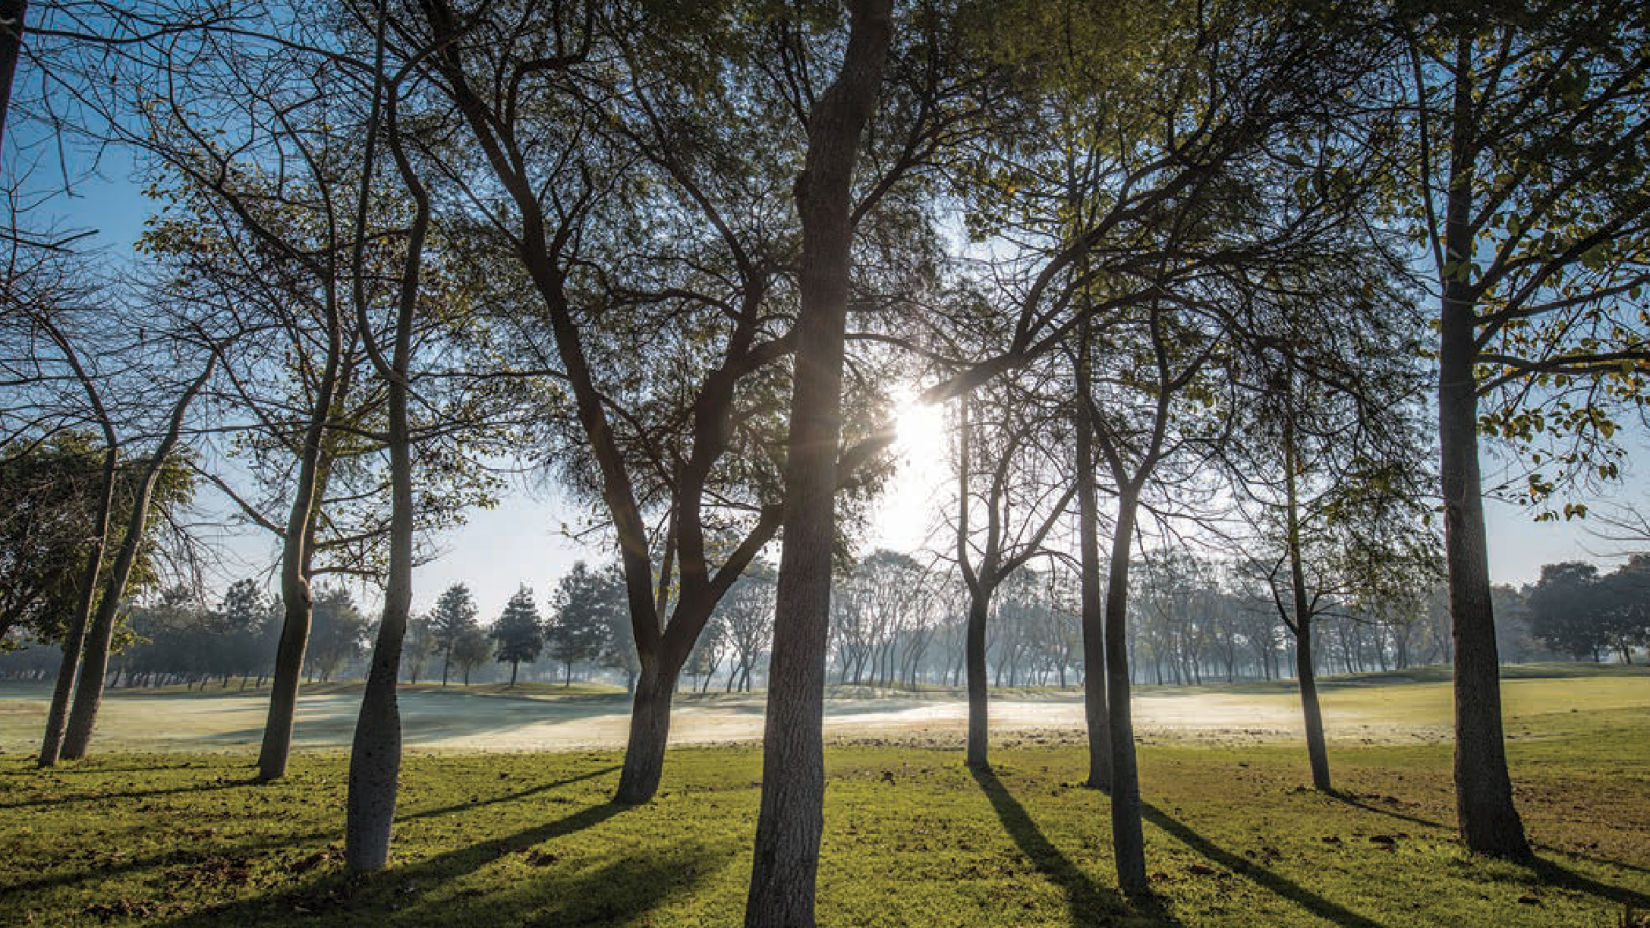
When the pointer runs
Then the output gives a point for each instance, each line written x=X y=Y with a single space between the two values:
x=129 y=794
x=508 y=797
x=96 y=870
x=431 y=891
x=1288 y=889
x=1089 y=903
x=1358 y=803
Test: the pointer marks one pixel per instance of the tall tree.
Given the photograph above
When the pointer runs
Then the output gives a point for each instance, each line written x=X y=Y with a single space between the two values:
x=88 y=695
x=790 y=820
x=1003 y=438
x=1530 y=199
x=596 y=169
x=375 y=751
x=747 y=613
x=338 y=635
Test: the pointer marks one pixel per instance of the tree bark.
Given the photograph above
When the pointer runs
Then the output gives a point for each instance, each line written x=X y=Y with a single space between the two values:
x=375 y=752
x=297 y=595
x=1487 y=818
x=88 y=697
x=790 y=820
x=644 y=755
x=979 y=734
x=1093 y=614
x=1317 y=754
x=51 y=743
x=1128 y=840
x=12 y=16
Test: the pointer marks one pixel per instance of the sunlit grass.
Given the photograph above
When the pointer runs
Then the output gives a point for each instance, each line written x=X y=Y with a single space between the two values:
x=912 y=838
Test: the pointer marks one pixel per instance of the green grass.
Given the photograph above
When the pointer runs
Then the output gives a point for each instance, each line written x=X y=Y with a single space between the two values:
x=911 y=837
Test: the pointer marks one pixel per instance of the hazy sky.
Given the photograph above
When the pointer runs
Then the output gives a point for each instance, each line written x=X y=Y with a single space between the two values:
x=520 y=542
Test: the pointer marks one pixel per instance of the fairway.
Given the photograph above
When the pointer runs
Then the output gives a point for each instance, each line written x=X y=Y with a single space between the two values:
x=1358 y=711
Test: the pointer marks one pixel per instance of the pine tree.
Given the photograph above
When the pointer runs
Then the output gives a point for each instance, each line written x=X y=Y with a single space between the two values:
x=453 y=616
x=584 y=603
x=519 y=632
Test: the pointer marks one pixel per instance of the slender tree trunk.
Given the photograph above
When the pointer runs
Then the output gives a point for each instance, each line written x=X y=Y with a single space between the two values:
x=297 y=594
x=1128 y=839
x=1488 y=820
x=791 y=818
x=979 y=725
x=375 y=752
x=88 y=697
x=51 y=744
x=1317 y=753
x=1093 y=614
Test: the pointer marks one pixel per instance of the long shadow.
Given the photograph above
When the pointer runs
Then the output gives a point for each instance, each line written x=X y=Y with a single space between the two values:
x=509 y=797
x=180 y=855
x=384 y=897
x=1089 y=904
x=1553 y=874
x=1288 y=889
x=129 y=794
x=1355 y=802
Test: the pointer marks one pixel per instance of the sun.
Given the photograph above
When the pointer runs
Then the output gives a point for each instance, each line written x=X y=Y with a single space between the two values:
x=915 y=501
x=919 y=428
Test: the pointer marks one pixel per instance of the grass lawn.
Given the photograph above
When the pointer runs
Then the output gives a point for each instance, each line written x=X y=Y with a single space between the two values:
x=911 y=837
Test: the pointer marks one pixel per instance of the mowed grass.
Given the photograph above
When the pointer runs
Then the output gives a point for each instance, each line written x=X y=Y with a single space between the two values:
x=911 y=836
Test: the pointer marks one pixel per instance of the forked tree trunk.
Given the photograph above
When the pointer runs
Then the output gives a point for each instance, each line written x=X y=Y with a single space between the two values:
x=644 y=754
x=1128 y=840
x=791 y=818
x=88 y=696
x=57 y=716
x=1317 y=753
x=1487 y=818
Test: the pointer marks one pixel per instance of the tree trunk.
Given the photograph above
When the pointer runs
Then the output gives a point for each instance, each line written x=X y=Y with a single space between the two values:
x=514 y=666
x=1488 y=821
x=1093 y=615
x=786 y=858
x=375 y=752
x=88 y=697
x=51 y=744
x=1128 y=840
x=979 y=727
x=12 y=15
x=1317 y=754
x=297 y=594
x=644 y=755
x=276 y=747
